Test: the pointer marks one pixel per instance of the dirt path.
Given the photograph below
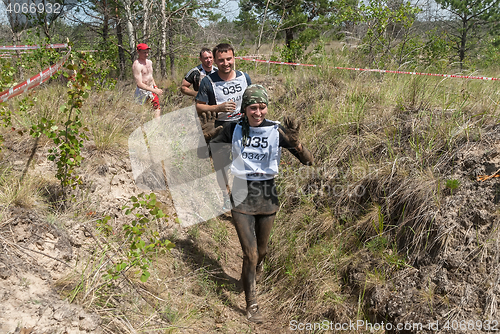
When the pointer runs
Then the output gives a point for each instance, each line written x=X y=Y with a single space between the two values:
x=231 y=268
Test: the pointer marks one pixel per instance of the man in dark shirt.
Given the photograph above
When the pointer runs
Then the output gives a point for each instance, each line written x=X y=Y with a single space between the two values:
x=222 y=92
x=195 y=75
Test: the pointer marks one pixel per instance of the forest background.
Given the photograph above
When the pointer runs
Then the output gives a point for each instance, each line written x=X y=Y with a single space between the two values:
x=419 y=34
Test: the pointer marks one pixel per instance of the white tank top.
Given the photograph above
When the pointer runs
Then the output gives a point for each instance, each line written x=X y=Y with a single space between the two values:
x=260 y=159
x=231 y=90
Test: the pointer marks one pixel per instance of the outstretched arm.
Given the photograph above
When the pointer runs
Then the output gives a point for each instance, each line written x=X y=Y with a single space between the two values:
x=291 y=135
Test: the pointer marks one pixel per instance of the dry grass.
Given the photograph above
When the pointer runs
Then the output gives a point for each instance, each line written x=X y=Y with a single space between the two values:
x=24 y=193
x=184 y=292
x=382 y=147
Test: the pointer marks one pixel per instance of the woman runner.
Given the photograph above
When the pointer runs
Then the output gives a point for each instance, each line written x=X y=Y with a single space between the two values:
x=256 y=148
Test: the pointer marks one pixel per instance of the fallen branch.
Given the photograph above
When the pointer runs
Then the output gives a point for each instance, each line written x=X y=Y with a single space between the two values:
x=32 y=250
x=487 y=177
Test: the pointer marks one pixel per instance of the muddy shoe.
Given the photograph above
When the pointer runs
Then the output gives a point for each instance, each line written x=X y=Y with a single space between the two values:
x=259 y=271
x=253 y=314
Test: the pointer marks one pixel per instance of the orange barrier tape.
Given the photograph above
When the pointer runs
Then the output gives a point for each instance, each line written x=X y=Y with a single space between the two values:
x=371 y=70
x=34 y=81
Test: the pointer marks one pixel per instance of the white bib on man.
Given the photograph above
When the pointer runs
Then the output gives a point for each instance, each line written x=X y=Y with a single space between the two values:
x=231 y=90
x=260 y=159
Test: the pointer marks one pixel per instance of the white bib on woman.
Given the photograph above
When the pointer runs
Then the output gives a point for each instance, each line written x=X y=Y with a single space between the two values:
x=259 y=160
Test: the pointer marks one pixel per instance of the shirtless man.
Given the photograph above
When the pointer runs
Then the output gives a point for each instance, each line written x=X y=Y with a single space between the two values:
x=195 y=75
x=143 y=75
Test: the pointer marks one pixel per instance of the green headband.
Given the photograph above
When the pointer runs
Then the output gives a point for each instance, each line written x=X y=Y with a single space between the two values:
x=254 y=94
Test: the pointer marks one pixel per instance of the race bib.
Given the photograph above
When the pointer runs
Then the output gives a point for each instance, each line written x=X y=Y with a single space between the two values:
x=231 y=90
x=260 y=158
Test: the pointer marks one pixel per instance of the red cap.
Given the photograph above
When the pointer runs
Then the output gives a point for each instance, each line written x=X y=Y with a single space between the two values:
x=143 y=46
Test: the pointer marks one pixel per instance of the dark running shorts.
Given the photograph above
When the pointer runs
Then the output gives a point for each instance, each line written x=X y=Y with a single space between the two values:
x=254 y=197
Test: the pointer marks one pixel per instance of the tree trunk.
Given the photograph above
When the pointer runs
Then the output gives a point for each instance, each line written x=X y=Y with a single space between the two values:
x=463 y=42
x=288 y=37
x=127 y=4
x=171 y=53
x=105 y=22
x=163 y=46
x=119 y=37
x=288 y=41
x=145 y=24
x=46 y=29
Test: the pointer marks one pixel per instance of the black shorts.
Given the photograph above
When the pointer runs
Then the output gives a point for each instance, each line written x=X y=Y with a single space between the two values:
x=254 y=197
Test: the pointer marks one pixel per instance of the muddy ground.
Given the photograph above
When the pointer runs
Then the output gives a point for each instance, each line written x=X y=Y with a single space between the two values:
x=41 y=254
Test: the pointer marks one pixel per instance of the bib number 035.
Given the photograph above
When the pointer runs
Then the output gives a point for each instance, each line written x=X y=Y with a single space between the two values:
x=257 y=142
x=236 y=88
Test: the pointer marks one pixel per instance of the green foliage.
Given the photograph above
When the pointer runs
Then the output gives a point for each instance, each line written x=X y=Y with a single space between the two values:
x=7 y=73
x=300 y=20
x=104 y=227
x=38 y=59
x=452 y=184
x=387 y=29
x=389 y=36
x=296 y=50
x=293 y=53
x=491 y=55
x=6 y=80
x=142 y=241
x=379 y=224
x=100 y=66
x=26 y=103
x=377 y=244
x=68 y=137
x=471 y=19
x=380 y=245
x=437 y=49
x=247 y=20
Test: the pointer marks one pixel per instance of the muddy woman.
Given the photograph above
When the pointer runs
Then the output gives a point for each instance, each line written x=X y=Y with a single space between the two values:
x=256 y=149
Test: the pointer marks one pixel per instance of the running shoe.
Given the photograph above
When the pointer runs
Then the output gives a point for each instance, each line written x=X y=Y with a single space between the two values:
x=253 y=314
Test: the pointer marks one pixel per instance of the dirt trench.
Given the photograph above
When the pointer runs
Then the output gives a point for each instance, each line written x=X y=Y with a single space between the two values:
x=451 y=284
